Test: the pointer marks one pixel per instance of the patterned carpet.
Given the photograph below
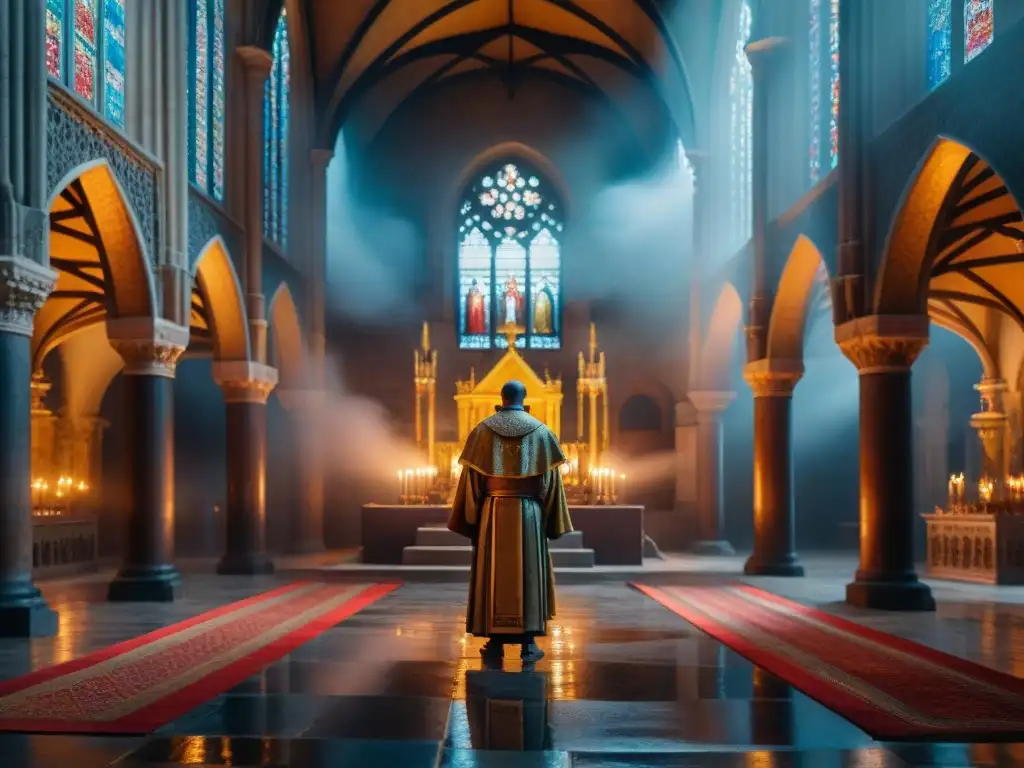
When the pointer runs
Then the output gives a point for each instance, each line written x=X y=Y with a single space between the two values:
x=892 y=688
x=138 y=685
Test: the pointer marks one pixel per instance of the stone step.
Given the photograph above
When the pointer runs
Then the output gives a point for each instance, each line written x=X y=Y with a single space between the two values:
x=452 y=556
x=429 y=536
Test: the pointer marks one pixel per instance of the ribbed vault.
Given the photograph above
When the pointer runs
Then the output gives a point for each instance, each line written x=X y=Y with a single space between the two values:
x=371 y=55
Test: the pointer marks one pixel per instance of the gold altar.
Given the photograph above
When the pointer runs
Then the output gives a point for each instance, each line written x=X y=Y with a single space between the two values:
x=586 y=478
x=477 y=400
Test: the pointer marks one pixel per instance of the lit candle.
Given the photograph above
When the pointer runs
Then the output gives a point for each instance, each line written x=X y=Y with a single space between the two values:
x=985 y=488
x=401 y=485
x=622 y=488
x=611 y=475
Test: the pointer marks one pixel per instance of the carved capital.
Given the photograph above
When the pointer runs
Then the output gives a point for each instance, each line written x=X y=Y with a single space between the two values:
x=243 y=381
x=24 y=287
x=773 y=378
x=710 y=401
x=883 y=343
x=149 y=346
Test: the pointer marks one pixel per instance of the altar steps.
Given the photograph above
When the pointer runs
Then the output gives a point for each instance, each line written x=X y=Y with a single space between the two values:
x=441 y=547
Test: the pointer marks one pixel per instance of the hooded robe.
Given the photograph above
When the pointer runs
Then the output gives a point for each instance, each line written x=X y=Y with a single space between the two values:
x=510 y=501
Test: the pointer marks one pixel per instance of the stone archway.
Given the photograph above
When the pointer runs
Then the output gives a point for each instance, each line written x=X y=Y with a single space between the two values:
x=719 y=347
x=290 y=352
x=218 y=319
x=805 y=271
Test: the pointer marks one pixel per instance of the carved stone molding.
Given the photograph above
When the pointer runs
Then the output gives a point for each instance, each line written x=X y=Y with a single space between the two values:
x=883 y=343
x=710 y=402
x=243 y=381
x=75 y=135
x=149 y=346
x=24 y=287
x=773 y=378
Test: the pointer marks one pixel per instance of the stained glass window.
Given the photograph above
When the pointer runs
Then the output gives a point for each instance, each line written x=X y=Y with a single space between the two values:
x=85 y=49
x=113 y=61
x=833 y=81
x=206 y=96
x=741 y=97
x=509 y=260
x=275 y=127
x=814 y=68
x=55 y=38
x=979 y=27
x=940 y=40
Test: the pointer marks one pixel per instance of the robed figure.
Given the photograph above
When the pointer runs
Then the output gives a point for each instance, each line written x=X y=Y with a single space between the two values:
x=476 y=322
x=510 y=502
x=513 y=303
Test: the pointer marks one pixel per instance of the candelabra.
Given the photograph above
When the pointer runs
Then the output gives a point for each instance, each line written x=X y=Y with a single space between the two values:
x=425 y=379
x=416 y=485
x=592 y=384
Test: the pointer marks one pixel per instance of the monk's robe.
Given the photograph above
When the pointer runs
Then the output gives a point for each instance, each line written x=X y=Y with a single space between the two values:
x=510 y=502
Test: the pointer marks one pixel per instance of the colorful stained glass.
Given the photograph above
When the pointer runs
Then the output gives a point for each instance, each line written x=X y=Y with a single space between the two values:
x=201 y=94
x=940 y=40
x=474 y=291
x=85 y=49
x=509 y=288
x=113 y=61
x=979 y=27
x=814 y=68
x=545 y=291
x=508 y=224
x=833 y=65
x=217 y=92
x=741 y=97
x=55 y=38
x=275 y=154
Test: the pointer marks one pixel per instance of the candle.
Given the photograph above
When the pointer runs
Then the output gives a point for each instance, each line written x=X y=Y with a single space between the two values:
x=622 y=488
x=985 y=488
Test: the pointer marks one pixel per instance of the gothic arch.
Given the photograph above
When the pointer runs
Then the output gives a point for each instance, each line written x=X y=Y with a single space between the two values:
x=95 y=247
x=804 y=272
x=218 y=315
x=720 y=340
x=289 y=343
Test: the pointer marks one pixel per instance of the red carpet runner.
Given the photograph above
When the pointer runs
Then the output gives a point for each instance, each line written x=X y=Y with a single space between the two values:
x=892 y=688
x=138 y=685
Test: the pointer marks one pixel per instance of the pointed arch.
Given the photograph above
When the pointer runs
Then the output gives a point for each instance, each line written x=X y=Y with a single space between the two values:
x=103 y=270
x=720 y=341
x=793 y=300
x=219 y=308
x=289 y=341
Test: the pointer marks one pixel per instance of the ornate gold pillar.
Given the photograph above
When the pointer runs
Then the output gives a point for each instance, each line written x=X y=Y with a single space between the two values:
x=883 y=348
x=150 y=348
x=710 y=528
x=595 y=451
x=991 y=425
x=772 y=382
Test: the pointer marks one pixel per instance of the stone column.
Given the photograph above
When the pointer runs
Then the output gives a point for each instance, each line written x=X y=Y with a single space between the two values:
x=24 y=286
x=774 y=517
x=156 y=117
x=256 y=64
x=246 y=386
x=991 y=426
x=151 y=348
x=762 y=54
x=883 y=348
x=306 y=407
x=316 y=279
x=710 y=539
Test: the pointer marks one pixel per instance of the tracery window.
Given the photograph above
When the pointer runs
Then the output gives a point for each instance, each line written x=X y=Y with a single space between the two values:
x=275 y=129
x=509 y=261
x=940 y=40
x=206 y=96
x=979 y=27
x=741 y=137
x=817 y=40
x=85 y=51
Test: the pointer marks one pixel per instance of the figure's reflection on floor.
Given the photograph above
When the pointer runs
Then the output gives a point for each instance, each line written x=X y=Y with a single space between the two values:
x=508 y=710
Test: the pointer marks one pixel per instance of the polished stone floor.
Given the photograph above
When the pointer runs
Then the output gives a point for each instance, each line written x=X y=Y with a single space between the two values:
x=625 y=683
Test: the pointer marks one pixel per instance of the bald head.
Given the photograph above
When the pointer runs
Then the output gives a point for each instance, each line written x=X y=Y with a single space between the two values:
x=513 y=394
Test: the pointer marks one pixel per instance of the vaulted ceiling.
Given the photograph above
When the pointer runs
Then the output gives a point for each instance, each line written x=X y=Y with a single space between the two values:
x=370 y=56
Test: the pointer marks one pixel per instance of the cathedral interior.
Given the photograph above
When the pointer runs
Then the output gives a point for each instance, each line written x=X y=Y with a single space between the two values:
x=759 y=264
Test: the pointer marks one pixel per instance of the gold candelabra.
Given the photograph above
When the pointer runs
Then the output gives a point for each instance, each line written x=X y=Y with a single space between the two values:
x=592 y=385
x=415 y=486
x=425 y=379
x=52 y=499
